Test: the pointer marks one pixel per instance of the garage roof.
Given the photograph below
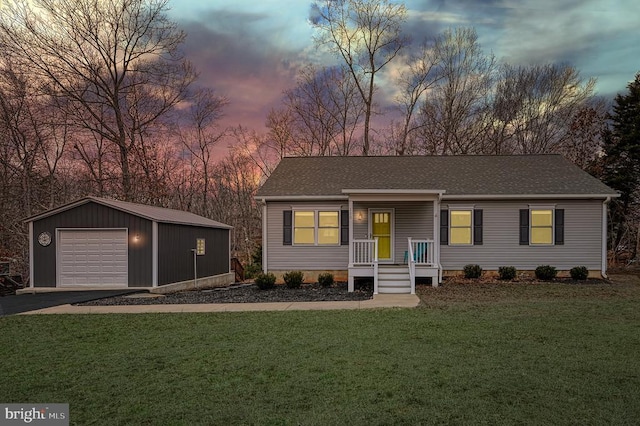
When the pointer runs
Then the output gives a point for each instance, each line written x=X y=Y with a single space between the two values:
x=157 y=214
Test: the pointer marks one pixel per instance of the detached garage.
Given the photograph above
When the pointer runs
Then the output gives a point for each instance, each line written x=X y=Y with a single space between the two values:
x=108 y=244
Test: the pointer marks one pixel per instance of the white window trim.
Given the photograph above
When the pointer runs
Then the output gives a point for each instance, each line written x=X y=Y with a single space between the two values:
x=458 y=209
x=553 y=224
x=316 y=226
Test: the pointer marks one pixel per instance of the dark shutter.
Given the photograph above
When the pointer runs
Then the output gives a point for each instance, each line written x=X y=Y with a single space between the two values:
x=524 y=227
x=444 y=227
x=559 y=233
x=286 y=227
x=344 y=227
x=477 y=227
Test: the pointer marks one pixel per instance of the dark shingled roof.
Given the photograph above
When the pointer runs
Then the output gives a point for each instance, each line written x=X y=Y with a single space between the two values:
x=158 y=214
x=505 y=175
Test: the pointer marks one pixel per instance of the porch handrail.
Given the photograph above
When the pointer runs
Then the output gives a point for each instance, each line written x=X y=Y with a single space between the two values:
x=420 y=252
x=365 y=252
x=412 y=268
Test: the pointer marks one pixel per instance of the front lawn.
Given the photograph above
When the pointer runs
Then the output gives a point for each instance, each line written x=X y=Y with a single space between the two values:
x=516 y=354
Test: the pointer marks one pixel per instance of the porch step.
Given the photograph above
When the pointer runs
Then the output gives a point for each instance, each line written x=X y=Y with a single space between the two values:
x=393 y=279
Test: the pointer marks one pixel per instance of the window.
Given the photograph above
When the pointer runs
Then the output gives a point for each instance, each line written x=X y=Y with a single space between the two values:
x=311 y=227
x=460 y=227
x=542 y=226
x=328 y=228
x=304 y=231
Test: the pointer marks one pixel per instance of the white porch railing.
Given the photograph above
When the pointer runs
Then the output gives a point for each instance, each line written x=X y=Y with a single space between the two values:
x=365 y=252
x=421 y=252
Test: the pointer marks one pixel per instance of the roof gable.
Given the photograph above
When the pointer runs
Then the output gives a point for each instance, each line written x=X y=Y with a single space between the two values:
x=157 y=214
x=471 y=175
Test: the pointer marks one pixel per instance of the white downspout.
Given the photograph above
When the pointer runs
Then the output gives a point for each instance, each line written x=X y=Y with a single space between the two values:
x=264 y=236
x=604 y=237
x=436 y=236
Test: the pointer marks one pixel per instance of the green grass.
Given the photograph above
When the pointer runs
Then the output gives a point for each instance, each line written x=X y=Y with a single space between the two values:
x=501 y=354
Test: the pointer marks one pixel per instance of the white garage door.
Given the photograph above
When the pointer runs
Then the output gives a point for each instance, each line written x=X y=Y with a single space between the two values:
x=92 y=258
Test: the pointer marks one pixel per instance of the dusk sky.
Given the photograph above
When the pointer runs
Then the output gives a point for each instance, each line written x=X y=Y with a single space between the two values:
x=249 y=51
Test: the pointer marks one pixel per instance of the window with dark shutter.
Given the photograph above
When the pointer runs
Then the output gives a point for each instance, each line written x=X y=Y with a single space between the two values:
x=444 y=227
x=286 y=227
x=477 y=227
x=524 y=227
x=559 y=227
x=344 y=227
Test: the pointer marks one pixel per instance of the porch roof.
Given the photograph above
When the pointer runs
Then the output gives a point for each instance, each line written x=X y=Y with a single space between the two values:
x=475 y=175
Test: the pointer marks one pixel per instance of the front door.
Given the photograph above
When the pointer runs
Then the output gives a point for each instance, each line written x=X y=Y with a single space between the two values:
x=381 y=227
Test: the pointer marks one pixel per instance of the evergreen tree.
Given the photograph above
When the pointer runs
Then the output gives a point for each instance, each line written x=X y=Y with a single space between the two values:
x=622 y=157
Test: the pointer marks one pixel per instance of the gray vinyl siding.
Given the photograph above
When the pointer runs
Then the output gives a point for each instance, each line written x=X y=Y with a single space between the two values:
x=582 y=237
x=175 y=258
x=411 y=219
x=309 y=258
x=92 y=215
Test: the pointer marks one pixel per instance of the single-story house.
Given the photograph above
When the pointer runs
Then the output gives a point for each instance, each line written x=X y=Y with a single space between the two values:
x=97 y=243
x=397 y=218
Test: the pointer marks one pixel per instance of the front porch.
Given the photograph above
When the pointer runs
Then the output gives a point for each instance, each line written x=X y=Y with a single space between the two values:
x=394 y=238
x=390 y=277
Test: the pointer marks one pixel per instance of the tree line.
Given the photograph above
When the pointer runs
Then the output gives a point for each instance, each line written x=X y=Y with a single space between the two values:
x=96 y=98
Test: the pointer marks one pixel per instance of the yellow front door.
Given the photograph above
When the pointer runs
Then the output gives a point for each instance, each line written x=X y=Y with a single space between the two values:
x=381 y=228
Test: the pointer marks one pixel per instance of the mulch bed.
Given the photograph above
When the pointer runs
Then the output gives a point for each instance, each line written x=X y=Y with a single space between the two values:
x=489 y=290
x=244 y=294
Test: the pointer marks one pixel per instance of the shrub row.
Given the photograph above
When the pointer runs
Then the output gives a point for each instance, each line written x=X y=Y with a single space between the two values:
x=292 y=279
x=543 y=272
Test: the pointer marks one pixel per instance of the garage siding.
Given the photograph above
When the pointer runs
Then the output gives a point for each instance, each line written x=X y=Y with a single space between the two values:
x=175 y=258
x=92 y=215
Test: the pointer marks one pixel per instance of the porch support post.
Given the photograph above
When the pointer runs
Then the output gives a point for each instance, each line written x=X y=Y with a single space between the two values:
x=350 y=281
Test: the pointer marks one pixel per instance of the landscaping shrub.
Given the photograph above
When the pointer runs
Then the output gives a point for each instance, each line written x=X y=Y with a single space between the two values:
x=472 y=271
x=579 y=273
x=252 y=270
x=325 y=279
x=546 y=272
x=507 y=272
x=265 y=281
x=293 y=279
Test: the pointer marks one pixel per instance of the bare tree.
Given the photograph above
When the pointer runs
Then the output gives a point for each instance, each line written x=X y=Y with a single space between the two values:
x=584 y=142
x=534 y=108
x=420 y=74
x=453 y=115
x=325 y=111
x=280 y=137
x=117 y=63
x=262 y=150
x=33 y=139
x=200 y=133
x=366 y=35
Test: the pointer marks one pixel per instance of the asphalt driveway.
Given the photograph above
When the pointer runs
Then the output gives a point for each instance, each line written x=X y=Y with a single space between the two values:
x=10 y=305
